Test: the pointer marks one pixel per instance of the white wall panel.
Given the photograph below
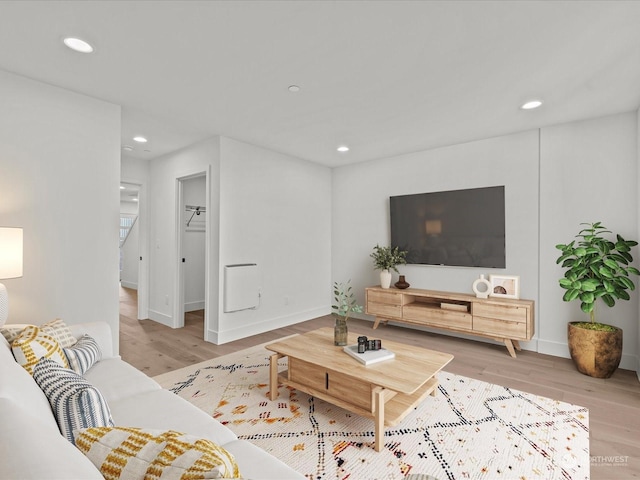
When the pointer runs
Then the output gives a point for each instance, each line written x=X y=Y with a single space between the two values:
x=588 y=174
x=360 y=212
x=275 y=210
x=60 y=164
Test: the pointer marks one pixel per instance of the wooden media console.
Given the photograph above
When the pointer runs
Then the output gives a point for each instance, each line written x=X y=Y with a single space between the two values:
x=505 y=320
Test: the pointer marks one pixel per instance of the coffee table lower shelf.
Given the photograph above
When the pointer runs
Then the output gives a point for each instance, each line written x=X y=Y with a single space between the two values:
x=388 y=407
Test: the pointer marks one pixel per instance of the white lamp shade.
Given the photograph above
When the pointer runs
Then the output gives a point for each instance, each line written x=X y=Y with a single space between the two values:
x=10 y=252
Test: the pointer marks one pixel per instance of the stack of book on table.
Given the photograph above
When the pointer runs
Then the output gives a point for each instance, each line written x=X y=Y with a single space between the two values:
x=369 y=356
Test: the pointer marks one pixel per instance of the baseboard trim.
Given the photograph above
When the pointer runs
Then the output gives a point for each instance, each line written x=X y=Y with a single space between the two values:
x=192 y=306
x=225 y=336
x=131 y=285
x=559 y=349
x=162 y=318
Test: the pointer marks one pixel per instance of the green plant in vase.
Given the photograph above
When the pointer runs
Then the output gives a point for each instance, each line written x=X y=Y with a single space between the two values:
x=385 y=259
x=596 y=268
x=345 y=304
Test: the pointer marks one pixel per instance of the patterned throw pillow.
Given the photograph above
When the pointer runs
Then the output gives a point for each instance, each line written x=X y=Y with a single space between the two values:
x=60 y=331
x=83 y=354
x=55 y=328
x=135 y=453
x=33 y=344
x=11 y=332
x=75 y=402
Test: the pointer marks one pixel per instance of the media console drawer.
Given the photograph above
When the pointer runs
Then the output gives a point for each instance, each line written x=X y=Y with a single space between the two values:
x=437 y=316
x=385 y=297
x=384 y=304
x=500 y=328
x=384 y=310
x=513 y=313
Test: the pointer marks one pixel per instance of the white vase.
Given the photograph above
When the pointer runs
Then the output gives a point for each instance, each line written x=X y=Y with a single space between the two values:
x=385 y=278
x=482 y=287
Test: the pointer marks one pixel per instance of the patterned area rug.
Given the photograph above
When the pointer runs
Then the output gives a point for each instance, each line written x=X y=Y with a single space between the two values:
x=469 y=430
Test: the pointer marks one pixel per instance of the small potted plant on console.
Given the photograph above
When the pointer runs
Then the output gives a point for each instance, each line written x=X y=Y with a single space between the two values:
x=385 y=259
x=596 y=268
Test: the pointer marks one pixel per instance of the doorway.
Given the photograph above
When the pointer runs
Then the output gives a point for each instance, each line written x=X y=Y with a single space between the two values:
x=133 y=235
x=191 y=305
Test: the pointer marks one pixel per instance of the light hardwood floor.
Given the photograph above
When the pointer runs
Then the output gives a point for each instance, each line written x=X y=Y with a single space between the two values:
x=614 y=403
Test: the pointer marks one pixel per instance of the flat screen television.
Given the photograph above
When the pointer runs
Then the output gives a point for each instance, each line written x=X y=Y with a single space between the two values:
x=464 y=228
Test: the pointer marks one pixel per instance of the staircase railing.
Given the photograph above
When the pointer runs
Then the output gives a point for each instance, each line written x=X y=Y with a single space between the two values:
x=127 y=221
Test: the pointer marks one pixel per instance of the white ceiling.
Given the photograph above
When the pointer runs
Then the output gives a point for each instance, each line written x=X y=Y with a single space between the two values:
x=129 y=192
x=384 y=77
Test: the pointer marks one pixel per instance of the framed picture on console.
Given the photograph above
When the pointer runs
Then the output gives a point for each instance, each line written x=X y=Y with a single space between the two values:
x=505 y=286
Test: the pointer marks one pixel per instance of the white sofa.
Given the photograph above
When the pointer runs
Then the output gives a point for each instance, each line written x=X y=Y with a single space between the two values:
x=31 y=446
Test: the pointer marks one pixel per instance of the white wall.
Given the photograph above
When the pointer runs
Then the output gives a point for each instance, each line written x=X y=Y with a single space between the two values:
x=589 y=174
x=265 y=208
x=163 y=175
x=361 y=209
x=551 y=176
x=60 y=164
x=638 y=229
x=134 y=170
x=275 y=211
x=193 y=247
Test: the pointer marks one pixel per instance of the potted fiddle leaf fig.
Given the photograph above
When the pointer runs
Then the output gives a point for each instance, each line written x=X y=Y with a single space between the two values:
x=597 y=270
x=385 y=259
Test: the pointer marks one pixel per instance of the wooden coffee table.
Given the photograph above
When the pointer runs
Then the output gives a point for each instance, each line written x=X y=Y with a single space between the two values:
x=385 y=391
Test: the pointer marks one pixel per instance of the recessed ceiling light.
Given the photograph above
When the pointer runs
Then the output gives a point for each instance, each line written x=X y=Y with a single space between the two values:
x=140 y=139
x=128 y=148
x=78 y=45
x=343 y=148
x=294 y=88
x=531 y=104
x=122 y=187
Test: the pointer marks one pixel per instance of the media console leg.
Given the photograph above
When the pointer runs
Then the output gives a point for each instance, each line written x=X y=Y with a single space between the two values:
x=509 y=345
x=378 y=320
x=516 y=343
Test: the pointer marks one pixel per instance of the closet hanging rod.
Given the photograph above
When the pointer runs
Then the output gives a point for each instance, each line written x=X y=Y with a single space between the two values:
x=196 y=209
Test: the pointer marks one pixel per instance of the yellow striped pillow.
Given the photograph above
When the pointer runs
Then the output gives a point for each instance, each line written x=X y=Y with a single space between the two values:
x=57 y=329
x=33 y=344
x=144 y=454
